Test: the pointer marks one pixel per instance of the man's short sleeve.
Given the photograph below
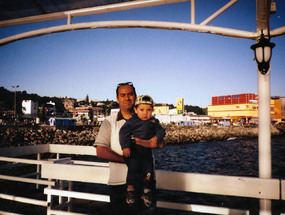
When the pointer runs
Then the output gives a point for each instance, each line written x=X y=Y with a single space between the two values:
x=104 y=136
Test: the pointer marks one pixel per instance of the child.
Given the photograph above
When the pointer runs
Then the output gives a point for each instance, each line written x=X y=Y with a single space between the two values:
x=139 y=159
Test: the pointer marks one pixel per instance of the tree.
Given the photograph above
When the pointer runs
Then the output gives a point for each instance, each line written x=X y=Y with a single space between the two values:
x=87 y=99
x=196 y=109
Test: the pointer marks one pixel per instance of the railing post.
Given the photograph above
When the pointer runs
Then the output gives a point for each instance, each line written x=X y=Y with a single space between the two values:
x=69 y=198
x=49 y=203
x=38 y=169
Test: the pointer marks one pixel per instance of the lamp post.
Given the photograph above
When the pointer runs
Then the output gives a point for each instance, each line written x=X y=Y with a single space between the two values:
x=263 y=52
x=15 y=87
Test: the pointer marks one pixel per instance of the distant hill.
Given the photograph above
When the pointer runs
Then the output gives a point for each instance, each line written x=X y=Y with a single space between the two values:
x=7 y=100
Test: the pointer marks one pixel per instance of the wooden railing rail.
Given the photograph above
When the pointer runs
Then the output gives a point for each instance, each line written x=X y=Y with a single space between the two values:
x=10 y=158
x=66 y=169
x=189 y=182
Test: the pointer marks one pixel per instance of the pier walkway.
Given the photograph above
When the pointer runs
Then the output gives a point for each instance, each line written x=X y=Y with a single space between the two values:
x=55 y=178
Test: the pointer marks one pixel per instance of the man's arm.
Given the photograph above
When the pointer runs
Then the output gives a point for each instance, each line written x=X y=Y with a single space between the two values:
x=102 y=144
x=108 y=154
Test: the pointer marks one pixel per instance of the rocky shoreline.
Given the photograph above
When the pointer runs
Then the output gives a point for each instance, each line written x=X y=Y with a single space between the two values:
x=19 y=136
x=194 y=134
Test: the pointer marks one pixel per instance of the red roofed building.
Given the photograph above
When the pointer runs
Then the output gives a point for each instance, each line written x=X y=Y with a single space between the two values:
x=87 y=114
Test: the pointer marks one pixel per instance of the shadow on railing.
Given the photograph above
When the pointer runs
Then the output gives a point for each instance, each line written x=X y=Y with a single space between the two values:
x=56 y=177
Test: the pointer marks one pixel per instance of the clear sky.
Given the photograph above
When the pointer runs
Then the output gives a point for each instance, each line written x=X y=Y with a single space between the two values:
x=165 y=64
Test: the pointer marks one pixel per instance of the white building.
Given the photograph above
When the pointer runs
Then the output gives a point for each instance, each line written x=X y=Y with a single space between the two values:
x=29 y=107
x=183 y=120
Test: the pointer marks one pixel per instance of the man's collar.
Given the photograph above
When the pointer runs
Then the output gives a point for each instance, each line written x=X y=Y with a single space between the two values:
x=120 y=116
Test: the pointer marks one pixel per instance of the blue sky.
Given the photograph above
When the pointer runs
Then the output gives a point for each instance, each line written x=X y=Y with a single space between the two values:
x=165 y=64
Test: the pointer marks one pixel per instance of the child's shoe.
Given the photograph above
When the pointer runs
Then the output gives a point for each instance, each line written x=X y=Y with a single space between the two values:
x=147 y=198
x=130 y=199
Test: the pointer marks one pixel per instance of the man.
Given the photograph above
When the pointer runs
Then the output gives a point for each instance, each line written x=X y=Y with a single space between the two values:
x=109 y=148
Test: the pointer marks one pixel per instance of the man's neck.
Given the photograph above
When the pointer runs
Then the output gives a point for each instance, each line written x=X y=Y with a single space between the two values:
x=126 y=114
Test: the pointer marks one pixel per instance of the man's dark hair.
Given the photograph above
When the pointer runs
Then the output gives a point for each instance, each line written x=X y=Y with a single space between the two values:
x=123 y=84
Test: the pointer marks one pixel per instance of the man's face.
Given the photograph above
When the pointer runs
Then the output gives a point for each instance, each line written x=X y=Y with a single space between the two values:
x=144 y=111
x=126 y=98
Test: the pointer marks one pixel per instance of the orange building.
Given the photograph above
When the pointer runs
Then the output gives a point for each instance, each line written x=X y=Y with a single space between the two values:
x=278 y=109
x=243 y=107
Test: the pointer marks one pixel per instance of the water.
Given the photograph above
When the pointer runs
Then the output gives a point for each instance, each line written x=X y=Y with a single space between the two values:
x=237 y=157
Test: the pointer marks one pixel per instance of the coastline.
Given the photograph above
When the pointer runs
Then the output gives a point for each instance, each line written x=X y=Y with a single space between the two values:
x=192 y=134
x=86 y=135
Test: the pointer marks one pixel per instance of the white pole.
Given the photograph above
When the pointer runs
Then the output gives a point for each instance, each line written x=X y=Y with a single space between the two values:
x=264 y=128
x=264 y=124
x=264 y=135
x=193 y=13
x=265 y=207
x=219 y=12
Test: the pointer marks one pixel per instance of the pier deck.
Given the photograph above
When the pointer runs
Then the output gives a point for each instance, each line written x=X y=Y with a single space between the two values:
x=65 y=180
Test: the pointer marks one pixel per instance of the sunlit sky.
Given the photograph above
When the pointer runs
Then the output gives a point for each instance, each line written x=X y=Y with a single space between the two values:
x=165 y=64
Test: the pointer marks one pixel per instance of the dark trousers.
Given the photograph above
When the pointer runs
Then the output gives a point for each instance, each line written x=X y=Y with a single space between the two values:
x=118 y=199
x=118 y=202
x=140 y=167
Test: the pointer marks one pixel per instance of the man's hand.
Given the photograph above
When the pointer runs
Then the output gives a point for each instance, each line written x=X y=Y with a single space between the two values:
x=160 y=146
x=148 y=144
x=127 y=152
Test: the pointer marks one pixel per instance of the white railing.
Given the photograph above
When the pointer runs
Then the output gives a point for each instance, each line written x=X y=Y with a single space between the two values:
x=65 y=169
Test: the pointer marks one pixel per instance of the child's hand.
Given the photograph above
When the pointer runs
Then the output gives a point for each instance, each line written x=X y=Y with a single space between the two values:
x=153 y=141
x=126 y=152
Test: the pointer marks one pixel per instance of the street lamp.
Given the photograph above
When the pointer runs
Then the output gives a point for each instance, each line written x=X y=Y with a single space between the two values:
x=262 y=52
x=15 y=87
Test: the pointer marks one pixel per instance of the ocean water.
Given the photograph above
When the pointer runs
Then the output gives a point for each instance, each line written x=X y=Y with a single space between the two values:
x=236 y=157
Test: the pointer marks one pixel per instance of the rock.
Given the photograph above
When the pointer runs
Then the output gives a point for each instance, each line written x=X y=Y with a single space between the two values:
x=86 y=136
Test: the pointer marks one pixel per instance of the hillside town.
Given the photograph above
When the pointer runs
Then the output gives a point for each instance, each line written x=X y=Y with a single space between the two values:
x=238 y=109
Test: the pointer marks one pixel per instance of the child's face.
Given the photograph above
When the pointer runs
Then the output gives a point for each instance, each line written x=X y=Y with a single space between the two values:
x=144 y=111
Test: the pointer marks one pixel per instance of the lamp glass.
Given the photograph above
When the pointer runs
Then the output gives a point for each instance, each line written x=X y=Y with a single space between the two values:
x=267 y=53
x=259 y=54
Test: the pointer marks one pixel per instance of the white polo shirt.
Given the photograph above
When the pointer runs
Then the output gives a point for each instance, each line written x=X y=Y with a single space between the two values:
x=108 y=136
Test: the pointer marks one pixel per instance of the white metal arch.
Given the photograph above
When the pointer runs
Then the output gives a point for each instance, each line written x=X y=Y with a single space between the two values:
x=142 y=24
x=202 y=27
x=133 y=24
